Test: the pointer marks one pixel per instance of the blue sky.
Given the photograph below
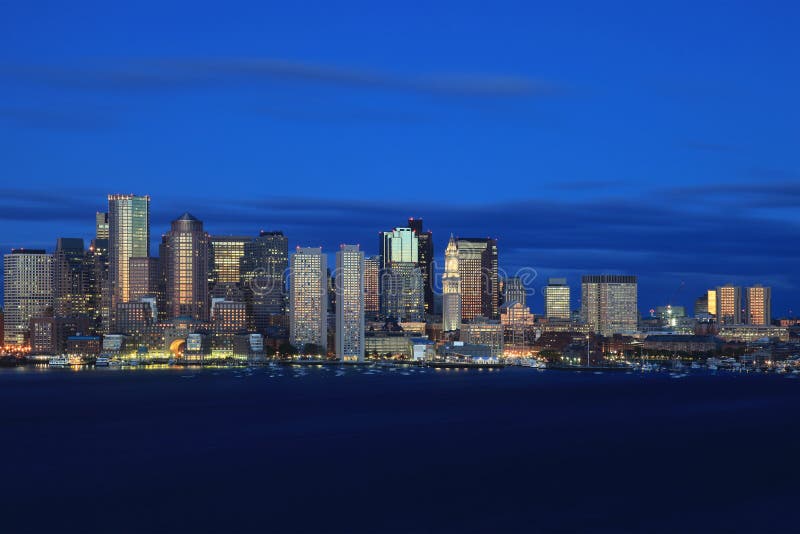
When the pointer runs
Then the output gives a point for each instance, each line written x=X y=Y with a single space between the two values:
x=658 y=139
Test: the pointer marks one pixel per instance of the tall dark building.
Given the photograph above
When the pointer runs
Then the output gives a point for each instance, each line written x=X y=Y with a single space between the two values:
x=263 y=269
x=480 y=284
x=425 y=260
x=99 y=286
x=71 y=278
x=186 y=268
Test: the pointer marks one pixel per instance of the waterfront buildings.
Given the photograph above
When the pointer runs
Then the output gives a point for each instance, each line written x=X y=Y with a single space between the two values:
x=557 y=299
x=759 y=305
x=349 y=285
x=186 y=268
x=609 y=303
x=308 y=299
x=478 y=271
x=451 y=288
x=128 y=237
x=729 y=304
x=27 y=275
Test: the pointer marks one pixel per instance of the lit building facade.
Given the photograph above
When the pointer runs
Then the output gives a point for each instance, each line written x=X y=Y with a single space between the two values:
x=28 y=291
x=144 y=277
x=609 y=303
x=711 y=297
x=729 y=304
x=478 y=270
x=308 y=298
x=186 y=269
x=225 y=256
x=759 y=305
x=402 y=286
x=71 y=278
x=557 y=299
x=451 y=288
x=372 y=299
x=128 y=237
x=350 y=303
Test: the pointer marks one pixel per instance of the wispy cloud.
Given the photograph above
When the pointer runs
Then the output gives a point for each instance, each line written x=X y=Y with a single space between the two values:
x=187 y=73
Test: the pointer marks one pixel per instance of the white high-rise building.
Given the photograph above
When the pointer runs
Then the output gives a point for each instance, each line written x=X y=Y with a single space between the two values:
x=609 y=303
x=556 y=299
x=451 y=289
x=350 y=303
x=308 y=298
x=28 y=291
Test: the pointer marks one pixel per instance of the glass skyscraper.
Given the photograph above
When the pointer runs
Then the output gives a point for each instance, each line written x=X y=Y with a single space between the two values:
x=128 y=237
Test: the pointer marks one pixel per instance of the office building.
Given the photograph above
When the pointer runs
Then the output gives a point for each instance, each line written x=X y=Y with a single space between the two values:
x=186 y=269
x=478 y=270
x=711 y=296
x=144 y=277
x=609 y=303
x=759 y=305
x=424 y=261
x=557 y=299
x=263 y=276
x=28 y=291
x=308 y=299
x=71 y=278
x=729 y=304
x=402 y=286
x=451 y=288
x=225 y=255
x=349 y=283
x=128 y=237
x=372 y=299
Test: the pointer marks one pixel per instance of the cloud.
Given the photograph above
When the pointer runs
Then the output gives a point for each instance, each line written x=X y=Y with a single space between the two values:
x=189 y=73
x=55 y=120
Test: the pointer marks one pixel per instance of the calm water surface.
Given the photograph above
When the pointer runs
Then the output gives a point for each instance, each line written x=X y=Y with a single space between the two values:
x=357 y=450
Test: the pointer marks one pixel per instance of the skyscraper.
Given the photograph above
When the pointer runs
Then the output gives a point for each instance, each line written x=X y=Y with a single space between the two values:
x=477 y=266
x=263 y=276
x=225 y=256
x=729 y=304
x=128 y=237
x=28 y=291
x=557 y=299
x=350 y=303
x=101 y=225
x=451 y=288
x=372 y=302
x=424 y=260
x=71 y=278
x=308 y=298
x=711 y=297
x=609 y=303
x=402 y=287
x=759 y=305
x=186 y=268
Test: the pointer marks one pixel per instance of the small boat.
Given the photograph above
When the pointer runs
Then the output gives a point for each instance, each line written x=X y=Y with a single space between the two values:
x=102 y=361
x=59 y=361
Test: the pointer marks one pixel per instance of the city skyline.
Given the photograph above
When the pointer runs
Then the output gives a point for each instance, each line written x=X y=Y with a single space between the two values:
x=623 y=150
